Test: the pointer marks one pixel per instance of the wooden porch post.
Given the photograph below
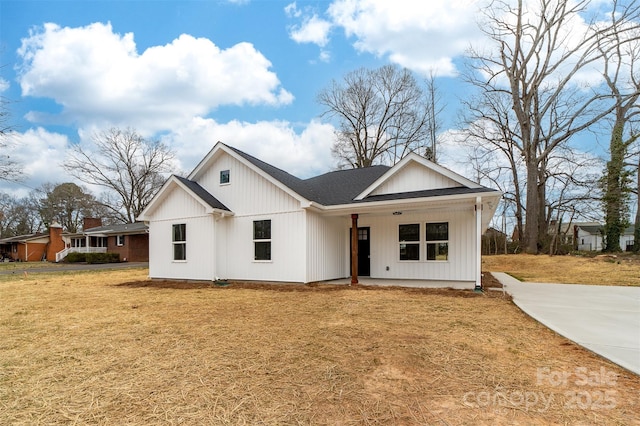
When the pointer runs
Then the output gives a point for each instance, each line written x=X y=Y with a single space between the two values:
x=354 y=249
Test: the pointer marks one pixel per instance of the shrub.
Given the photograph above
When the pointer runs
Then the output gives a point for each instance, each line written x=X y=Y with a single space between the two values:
x=75 y=257
x=103 y=257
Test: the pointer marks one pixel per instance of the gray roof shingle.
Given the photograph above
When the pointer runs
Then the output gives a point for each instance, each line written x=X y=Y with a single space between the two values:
x=203 y=193
x=337 y=187
x=332 y=188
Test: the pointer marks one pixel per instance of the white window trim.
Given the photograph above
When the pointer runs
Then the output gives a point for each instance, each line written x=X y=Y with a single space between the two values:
x=262 y=240
x=427 y=242
x=183 y=242
x=228 y=175
x=418 y=242
x=119 y=240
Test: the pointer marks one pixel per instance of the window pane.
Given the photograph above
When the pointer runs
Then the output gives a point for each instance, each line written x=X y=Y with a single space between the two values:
x=409 y=232
x=262 y=250
x=437 y=251
x=262 y=230
x=409 y=251
x=224 y=176
x=437 y=231
x=180 y=232
x=180 y=251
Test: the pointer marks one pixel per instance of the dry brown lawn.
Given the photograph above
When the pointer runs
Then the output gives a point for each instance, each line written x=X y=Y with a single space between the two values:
x=622 y=269
x=114 y=348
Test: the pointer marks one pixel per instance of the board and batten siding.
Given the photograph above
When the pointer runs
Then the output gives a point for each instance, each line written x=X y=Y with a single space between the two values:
x=247 y=191
x=326 y=249
x=461 y=263
x=236 y=253
x=180 y=207
x=414 y=177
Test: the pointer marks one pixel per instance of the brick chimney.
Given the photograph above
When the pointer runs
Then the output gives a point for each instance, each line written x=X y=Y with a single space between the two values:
x=56 y=243
x=91 y=222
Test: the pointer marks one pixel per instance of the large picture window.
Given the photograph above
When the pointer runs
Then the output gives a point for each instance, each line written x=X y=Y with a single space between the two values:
x=438 y=241
x=409 y=240
x=262 y=239
x=179 y=241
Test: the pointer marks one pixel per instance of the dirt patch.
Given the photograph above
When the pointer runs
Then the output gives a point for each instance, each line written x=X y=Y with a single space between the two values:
x=305 y=288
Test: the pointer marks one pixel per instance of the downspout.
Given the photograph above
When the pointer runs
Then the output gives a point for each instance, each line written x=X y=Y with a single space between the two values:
x=478 y=208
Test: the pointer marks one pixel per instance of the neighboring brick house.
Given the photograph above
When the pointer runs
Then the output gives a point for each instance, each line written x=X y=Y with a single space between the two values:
x=35 y=247
x=129 y=240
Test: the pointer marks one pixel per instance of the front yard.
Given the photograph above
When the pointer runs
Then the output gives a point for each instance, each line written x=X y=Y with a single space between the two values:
x=115 y=348
x=598 y=269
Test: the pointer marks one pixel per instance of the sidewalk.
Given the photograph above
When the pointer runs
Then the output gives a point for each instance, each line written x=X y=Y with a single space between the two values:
x=603 y=319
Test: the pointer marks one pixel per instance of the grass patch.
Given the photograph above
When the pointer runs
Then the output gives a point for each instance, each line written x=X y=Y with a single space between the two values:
x=623 y=269
x=115 y=348
x=11 y=266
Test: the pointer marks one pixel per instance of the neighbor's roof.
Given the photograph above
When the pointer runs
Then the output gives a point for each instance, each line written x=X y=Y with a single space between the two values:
x=24 y=238
x=599 y=229
x=122 y=228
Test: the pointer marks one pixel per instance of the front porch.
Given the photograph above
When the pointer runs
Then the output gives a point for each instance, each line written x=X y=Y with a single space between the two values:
x=62 y=254
x=383 y=282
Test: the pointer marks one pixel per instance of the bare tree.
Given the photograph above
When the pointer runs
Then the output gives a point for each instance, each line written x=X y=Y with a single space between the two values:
x=435 y=106
x=66 y=203
x=127 y=165
x=9 y=168
x=382 y=116
x=535 y=64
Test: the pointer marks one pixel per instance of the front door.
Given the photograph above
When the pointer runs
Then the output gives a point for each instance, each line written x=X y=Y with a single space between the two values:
x=364 y=246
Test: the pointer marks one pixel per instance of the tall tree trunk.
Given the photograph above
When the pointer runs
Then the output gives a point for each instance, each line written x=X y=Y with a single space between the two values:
x=636 y=226
x=613 y=196
x=531 y=230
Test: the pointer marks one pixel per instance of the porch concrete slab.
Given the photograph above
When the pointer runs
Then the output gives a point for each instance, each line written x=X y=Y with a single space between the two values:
x=402 y=283
x=603 y=319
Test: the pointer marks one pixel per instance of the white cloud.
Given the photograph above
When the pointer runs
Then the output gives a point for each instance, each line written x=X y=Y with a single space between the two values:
x=423 y=39
x=312 y=30
x=99 y=78
x=303 y=154
x=4 y=85
x=41 y=154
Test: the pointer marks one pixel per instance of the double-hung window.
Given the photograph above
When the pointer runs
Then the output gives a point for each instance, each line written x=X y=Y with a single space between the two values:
x=179 y=239
x=437 y=241
x=409 y=240
x=262 y=239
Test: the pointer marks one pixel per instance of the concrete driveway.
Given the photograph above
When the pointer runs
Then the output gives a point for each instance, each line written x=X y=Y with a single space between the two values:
x=603 y=319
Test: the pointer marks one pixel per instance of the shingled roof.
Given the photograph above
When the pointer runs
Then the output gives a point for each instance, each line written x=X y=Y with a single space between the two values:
x=202 y=193
x=332 y=188
x=329 y=189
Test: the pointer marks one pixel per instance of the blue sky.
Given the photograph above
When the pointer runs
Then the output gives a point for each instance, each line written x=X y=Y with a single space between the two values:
x=245 y=72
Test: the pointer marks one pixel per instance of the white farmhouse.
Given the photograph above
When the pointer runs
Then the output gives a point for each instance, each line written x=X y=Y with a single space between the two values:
x=236 y=217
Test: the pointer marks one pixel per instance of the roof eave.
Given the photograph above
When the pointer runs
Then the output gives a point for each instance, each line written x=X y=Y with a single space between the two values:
x=365 y=206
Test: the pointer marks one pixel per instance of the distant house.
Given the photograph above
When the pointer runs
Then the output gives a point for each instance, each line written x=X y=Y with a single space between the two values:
x=237 y=217
x=494 y=241
x=590 y=237
x=130 y=241
x=33 y=247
